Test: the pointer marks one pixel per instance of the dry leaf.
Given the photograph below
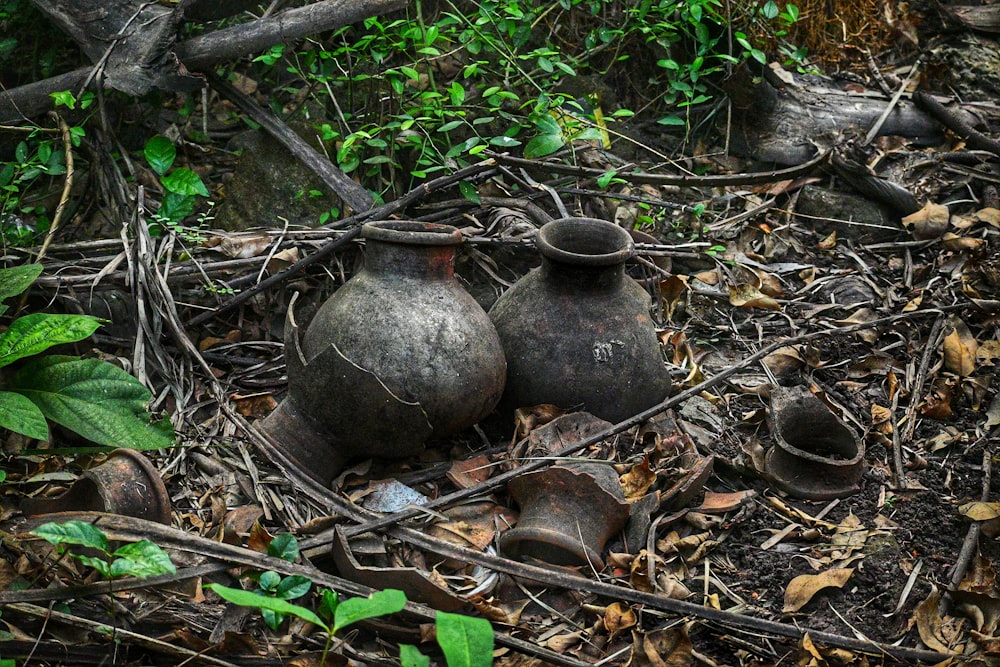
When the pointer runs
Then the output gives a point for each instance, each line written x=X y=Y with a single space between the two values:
x=669 y=647
x=784 y=361
x=254 y=405
x=989 y=351
x=802 y=588
x=637 y=481
x=673 y=292
x=990 y=216
x=930 y=222
x=470 y=472
x=993 y=413
x=828 y=243
x=617 y=617
x=960 y=349
x=957 y=243
x=980 y=511
x=716 y=503
x=244 y=246
x=929 y=622
x=748 y=296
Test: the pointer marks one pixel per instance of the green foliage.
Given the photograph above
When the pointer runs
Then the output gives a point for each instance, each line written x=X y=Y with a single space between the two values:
x=430 y=92
x=466 y=641
x=96 y=399
x=182 y=187
x=141 y=559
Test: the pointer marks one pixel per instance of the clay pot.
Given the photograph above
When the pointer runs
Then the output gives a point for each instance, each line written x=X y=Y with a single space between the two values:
x=401 y=352
x=568 y=514
x=815 y=456
x=126 y=483
x=577 y=331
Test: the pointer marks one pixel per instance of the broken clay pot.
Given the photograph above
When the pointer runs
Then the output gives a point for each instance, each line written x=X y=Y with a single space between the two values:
x=577 y=331
x=401 y=352
x=126 y=483
x=816 y=456
x=568 y=514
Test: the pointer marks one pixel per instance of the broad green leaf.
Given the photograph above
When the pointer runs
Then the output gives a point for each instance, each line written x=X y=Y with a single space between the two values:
x=543 y=144
x=19 y=414
x=469 y=191
x=268 y=581
x=175 y=207
x=328 y=601
x=546 y=124
x=73 y=532
x=99 y=401
x=16 y=279
x=466 y=641
x=160 y=153
x=36 y=333
x=292 y=587
x=98 y=564
x=258 y=601
x=141 y=559
x=410 y=656
x=183 y=181
x=285 y=547
x=379 y=603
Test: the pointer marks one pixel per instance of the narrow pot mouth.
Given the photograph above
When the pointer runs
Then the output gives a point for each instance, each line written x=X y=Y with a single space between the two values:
x=584 y=242
x=411 y=232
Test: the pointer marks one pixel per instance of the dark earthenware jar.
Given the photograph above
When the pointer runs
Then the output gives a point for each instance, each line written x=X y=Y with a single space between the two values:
x=401 y=352
x=576 y=331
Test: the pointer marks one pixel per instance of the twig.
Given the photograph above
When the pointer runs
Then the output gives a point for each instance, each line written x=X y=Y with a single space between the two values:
x=873 y=132
x=918 y=387
x=973 y=138
x=971 y=542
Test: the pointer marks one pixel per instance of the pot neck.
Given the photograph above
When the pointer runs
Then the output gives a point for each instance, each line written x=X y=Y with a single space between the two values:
x=591 y=278
x=405 y=260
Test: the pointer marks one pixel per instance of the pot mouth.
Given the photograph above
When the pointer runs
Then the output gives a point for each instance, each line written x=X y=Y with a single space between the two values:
x=412 y=232
x=584 y=242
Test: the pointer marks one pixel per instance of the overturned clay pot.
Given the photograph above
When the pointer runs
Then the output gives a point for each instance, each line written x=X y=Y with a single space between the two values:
x=568 y=514
x=126 y=483
x=815 y=456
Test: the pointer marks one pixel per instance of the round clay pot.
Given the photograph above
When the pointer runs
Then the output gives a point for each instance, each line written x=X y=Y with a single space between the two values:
x=577 y=331
x=401 y=352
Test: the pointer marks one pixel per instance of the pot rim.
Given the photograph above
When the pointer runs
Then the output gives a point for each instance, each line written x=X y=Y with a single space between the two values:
x=584 y=242
x=412 y=232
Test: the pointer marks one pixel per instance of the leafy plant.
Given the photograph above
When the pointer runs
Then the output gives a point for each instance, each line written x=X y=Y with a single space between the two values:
x=181 y=186
x=137 y=559
x=98 y=400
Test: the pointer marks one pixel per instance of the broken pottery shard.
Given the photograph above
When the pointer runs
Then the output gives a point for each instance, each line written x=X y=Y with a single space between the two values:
x=815 y=456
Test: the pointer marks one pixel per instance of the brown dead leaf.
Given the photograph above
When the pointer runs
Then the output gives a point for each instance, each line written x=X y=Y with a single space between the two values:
x=259 y=538
x=718 y=503
x=989 y=351
x=960 y=349
x=929 y=622
x=617 y=617
x=828 y=243
x=530 y=418
x=244 y=246
x=673 y=292
x=784 y=361
x=254 y=405
x=638 y=480
x=993 y=413
x=937 y=404
x=669 y=647
x=282 y=260
x=802 y=588
x=957 y=243
x=748 y=296
x=470 y=472
x=563 y=641
x=990 y=216
x=980 y=511
x=930 y=222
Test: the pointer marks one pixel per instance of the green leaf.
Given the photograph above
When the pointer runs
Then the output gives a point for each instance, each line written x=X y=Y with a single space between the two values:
x=19 y=414
x=410 y=656
x=99 y=401
x=465 y=641
x=328 y=602
x=73 y=532
x=285 y=547
x=469 y=191
x=292 y=587
x=543 y=144
x=175 y=207
x=141 y=559
x=546 y=124
x=36 y=333
x=379 y=603
x=671 y=120
x=98 y=564
x=268 y=581
x=258 y=601
x=183 y=181
x=605 y=178
x=160 y=153
x=16 y=279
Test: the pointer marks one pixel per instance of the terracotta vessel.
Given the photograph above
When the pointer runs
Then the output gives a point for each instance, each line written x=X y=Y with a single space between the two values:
x=126 y=483
x=401 y=352
x=577 y=331
x=568 y=514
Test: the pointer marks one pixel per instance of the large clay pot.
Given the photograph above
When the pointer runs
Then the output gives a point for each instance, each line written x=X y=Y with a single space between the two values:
x=401 y=352
x=577 y=331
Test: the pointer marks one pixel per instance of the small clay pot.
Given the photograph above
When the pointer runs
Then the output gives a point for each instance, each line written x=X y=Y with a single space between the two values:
x=577 y=332
x=568 y=514
x=400 y=353
x=126 y=483
x=815 y=455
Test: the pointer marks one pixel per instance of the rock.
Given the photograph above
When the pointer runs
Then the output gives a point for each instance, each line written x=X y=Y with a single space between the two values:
x=851 y=216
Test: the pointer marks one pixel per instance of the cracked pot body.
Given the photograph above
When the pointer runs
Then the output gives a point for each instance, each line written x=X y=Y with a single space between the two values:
x=401 y=352
x=577 y=331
